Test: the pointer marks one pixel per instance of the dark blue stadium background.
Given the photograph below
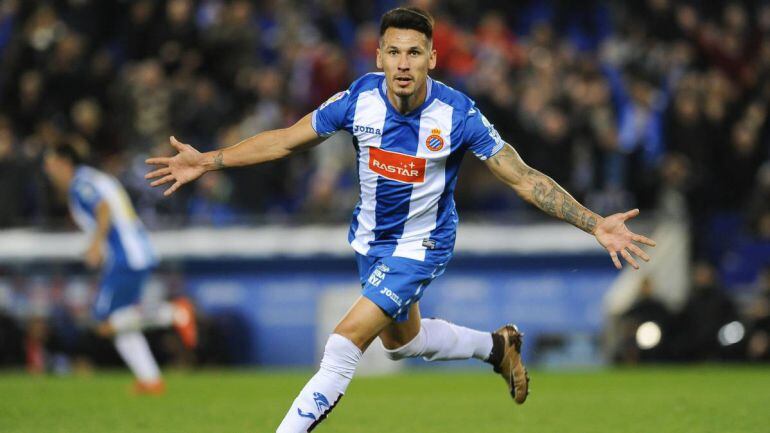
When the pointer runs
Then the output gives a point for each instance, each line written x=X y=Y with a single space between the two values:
x=656 y=104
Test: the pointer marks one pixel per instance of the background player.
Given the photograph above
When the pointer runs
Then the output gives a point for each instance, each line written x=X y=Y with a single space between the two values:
x=120 y=246
x=410 y=133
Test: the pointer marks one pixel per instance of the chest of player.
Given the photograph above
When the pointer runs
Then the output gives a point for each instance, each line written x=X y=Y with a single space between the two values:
x=403 y=151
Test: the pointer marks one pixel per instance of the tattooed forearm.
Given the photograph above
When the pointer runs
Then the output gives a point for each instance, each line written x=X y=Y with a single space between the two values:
x=545 y=198
x=541 y=190
x=219 y=162
x=546 y=194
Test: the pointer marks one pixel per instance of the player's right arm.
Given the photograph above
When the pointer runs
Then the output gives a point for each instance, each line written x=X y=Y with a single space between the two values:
x=548 y=196
x=189 y=164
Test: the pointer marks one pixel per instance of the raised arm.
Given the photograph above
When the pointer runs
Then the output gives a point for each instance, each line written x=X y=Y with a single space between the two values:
x=543 y=192
x=189 y=164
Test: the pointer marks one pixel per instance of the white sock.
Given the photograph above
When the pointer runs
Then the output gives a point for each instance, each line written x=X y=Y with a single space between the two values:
x=133 y=348
x=439 y=340
x=136 y=318
x=324 y=390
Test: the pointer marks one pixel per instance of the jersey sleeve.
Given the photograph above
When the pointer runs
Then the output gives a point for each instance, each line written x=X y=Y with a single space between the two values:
x=480 y=136
x=330 y=116
x=87 y=195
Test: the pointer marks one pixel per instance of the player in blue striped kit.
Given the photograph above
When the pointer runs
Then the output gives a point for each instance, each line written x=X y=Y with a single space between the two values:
x=410 y=134
x=120 y=246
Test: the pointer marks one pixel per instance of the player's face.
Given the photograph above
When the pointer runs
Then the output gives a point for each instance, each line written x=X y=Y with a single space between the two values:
x=405 y=56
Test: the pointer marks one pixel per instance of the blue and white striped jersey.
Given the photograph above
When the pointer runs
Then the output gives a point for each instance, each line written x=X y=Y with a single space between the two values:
x=128 y=243
x=407 y=165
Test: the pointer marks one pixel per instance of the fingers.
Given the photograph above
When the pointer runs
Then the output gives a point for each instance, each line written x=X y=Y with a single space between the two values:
x=163 y=180
x=178 y=145
x=626 y=255
x=158 y=161
x=157 y=173
x=638 y=252
x=615 y=259
x=644 y=240
x=173 y=188
x=630 y=214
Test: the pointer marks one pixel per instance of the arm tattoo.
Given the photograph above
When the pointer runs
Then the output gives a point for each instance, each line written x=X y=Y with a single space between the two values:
x=546 y=194
x=545 y=198
x=219 y=160
x=542 y=191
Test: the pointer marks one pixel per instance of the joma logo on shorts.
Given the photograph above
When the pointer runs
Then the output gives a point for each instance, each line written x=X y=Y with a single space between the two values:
x=366 y=130
x=393 y=297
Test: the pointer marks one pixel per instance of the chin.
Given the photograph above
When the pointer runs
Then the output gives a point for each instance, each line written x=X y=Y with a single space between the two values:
x=404 y=93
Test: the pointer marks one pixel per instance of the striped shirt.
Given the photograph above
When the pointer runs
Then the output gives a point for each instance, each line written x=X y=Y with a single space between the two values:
x=128 y=243
x=407 y=165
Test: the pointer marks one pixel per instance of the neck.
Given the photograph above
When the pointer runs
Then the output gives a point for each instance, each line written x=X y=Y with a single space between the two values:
x=405 y=104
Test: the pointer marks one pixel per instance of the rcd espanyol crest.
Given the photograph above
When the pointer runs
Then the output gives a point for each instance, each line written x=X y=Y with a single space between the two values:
x=434 y=141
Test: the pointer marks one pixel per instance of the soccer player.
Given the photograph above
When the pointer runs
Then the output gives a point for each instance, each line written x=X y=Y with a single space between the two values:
x=410 y=134
x=121 y=247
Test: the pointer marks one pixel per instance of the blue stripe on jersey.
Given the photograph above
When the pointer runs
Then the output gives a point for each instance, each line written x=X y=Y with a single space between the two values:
x=391 y=212
x=399 y=135
x=446 y=219
x=357 y=210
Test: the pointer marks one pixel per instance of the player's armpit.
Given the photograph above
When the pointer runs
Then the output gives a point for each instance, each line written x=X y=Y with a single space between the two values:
x=301 y=135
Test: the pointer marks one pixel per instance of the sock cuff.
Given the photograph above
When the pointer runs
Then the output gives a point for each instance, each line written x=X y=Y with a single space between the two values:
x=339 y=343
x=341 y=357
x=408 y=347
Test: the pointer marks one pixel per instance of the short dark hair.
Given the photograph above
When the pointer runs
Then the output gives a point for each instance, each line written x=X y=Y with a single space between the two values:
x=68 y=152
x=411 y=17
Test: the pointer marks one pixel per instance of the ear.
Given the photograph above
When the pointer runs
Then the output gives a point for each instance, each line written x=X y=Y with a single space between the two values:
x=432 y=60
x=379 y=59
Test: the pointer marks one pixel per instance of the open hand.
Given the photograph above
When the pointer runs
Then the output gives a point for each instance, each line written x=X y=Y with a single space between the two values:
x=184 y=167
x=615 y=237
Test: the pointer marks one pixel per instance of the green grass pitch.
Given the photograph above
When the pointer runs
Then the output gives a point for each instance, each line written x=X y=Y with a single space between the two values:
x=719 y=398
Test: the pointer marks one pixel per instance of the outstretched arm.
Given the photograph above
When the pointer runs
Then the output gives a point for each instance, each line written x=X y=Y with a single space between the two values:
x=189 y=164
x=543 y=192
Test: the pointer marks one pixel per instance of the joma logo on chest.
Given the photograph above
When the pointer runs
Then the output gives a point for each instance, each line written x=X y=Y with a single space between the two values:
x=366 y=130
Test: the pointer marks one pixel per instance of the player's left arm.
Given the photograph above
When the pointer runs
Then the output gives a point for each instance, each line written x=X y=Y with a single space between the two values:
x=544 y=193
x=94 y=255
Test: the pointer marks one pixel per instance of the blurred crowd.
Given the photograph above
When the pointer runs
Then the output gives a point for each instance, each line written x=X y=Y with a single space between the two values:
x=650 y=103
x=657 y=104
x=711 y=325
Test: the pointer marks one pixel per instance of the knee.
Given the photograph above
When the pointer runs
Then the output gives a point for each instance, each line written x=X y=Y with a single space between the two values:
x=412 y=349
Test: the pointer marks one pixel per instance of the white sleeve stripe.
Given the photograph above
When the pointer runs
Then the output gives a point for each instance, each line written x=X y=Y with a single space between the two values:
x=313 y=123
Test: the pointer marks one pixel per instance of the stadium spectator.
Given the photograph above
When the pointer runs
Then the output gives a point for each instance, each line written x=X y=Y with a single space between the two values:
x=707 y=310
x=758 y=334
x=647 y=308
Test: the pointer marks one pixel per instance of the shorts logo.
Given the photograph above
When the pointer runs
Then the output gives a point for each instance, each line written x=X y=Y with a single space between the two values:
x=378 y=275
x=392 y=296
x=397 y=166
x=434 y=141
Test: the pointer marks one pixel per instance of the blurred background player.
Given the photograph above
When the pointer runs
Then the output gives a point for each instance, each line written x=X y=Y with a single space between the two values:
x=410 y=133
x=120 y=247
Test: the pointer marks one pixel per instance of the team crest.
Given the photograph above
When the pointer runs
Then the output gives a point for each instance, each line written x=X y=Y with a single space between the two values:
x=434 y=141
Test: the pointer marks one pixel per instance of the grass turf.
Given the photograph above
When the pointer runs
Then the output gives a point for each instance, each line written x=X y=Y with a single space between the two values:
x=721 y=398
